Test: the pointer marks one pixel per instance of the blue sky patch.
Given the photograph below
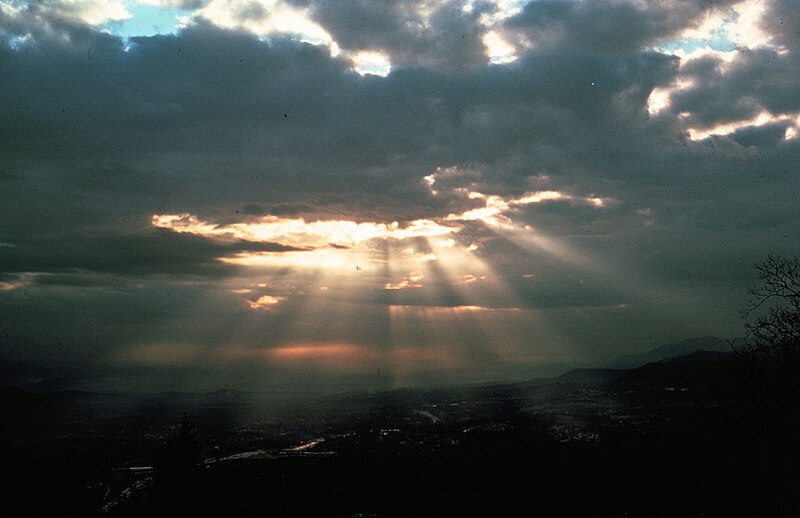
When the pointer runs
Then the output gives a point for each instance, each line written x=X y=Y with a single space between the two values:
x=147 y=20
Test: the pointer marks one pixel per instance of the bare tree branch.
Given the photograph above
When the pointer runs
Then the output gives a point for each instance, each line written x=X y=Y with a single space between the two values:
x=776 y=333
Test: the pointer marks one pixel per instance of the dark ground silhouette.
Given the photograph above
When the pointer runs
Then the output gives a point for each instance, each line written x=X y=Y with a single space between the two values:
x=704 y=434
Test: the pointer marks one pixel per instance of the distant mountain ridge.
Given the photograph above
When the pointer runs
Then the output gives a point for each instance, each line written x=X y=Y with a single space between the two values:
x=691 y=345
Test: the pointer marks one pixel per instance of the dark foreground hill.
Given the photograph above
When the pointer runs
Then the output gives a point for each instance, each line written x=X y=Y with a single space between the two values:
x=673 y=438
x=700 y=369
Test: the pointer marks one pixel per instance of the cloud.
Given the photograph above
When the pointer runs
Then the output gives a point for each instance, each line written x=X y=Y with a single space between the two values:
x=186 y=4
x=263 y=17
x=595 y=26
x=439 y=35
x=155 y=252
x=92 y=12
x=595 y=189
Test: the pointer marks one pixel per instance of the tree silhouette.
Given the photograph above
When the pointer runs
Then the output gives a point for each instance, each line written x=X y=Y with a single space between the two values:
x=771 y=352
x=774 y=334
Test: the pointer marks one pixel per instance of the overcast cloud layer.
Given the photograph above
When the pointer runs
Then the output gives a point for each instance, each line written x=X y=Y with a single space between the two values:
x=304 y=192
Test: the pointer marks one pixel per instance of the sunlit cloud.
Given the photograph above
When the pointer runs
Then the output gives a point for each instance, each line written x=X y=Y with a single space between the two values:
x=709 y=25
x=18 y=281
x=727 y=128
x=412 y=280
x=469 y=278
x=496 y=42
x=498 y=50
x=11 y=285
x=660 y=98
x=496 y=209
x=746 y=27
x=276 y=17
x=313 y=259
x=429 y=181
x=372 y=62
x=463 y=308
x=92 y=12
x=503 y=9
x=348 y=246
x=299 y=232
x=725 y=28
x=724 y=60
x=265 y=302
x=266 y=17
x=315 y=351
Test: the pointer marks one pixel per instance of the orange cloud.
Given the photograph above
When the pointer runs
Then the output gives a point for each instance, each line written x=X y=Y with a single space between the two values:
x=265 y=302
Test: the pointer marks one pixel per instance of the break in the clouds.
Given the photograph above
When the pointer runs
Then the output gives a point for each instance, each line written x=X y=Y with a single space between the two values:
x=263 y=192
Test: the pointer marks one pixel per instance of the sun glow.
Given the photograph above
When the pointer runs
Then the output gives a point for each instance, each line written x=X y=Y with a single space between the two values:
x=299 y=232
x=308 y=351
x=365 y=247
x=429 y=278
x=322 y=258
x=428 y=283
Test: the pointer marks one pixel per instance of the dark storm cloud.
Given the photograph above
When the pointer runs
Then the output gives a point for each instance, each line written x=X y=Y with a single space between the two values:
x=282 y=120
x=766 y=136
x=164 y=87
x=154 y=252
x=758 y=79
x=782 y=22
x=98 y=134
x=601 y=27
x=277 y=120
x=446 y=39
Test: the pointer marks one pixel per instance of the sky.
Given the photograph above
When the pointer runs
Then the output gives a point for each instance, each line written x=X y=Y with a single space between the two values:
x=319 y=195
